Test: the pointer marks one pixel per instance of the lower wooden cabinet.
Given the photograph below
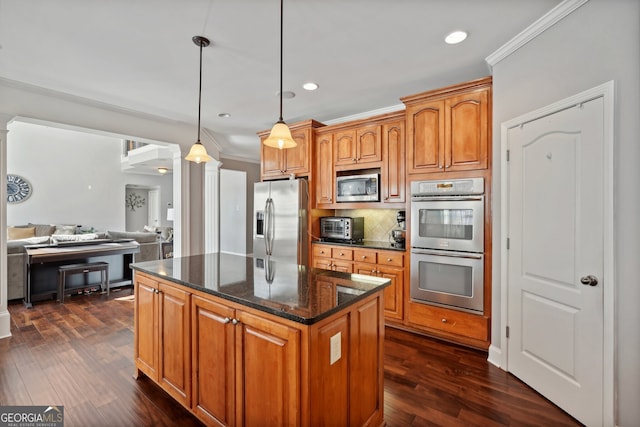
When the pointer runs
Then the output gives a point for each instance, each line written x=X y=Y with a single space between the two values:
x=234 y=366
x=372 y=262
x=162 y=352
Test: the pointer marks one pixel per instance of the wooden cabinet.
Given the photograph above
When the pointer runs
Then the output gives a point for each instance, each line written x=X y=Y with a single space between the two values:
x=360 y=146
x=449 y=129
x=372 y=262
x=247 y=367
x=162 y=350
x=394 y=172
x=277 y=164
x=324 y=173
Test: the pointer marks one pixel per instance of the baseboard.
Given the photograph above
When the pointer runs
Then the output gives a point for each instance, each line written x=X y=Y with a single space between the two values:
x=5 y=324
x=495 y=356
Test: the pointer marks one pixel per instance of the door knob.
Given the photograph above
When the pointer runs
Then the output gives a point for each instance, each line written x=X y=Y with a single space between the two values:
x=589 y=280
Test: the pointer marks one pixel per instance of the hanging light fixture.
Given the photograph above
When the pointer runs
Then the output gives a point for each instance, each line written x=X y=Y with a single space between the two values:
x=280 y=136
x=198 y=153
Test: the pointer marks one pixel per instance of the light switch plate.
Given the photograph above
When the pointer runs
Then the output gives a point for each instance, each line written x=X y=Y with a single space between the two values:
x=336 y=349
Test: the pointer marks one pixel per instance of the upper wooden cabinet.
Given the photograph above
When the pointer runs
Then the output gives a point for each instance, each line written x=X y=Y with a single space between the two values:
x=393 y=167
x=324 y=174
x=449 y=129
x=276 y=163
x=359 y=146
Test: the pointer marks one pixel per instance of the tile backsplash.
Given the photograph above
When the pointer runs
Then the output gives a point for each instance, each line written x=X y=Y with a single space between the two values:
x=378 y=223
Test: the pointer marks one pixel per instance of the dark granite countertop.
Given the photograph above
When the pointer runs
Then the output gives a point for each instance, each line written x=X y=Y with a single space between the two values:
x=288 y=290
x=367 y=244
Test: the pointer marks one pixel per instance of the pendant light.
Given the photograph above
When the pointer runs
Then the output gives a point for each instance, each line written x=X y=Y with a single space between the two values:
x=198 y=152
x=280 y=136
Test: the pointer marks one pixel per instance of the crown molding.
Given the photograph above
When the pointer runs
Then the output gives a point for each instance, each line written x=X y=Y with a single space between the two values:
x=366 y=114
x=534 y=30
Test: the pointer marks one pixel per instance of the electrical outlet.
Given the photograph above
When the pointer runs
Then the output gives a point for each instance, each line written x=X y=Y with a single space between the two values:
x=336 y=348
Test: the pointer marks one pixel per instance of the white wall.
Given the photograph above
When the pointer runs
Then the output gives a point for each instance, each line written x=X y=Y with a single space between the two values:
x=596 y=43
x=76 y=178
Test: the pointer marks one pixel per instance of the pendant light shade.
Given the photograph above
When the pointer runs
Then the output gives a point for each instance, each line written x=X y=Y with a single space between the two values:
x=280 y=136
x=198 y=152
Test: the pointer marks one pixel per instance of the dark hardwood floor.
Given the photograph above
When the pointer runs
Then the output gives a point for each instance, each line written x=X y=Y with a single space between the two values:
x=80 y=355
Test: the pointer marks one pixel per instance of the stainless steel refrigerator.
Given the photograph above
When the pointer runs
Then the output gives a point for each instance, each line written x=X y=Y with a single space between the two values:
x=280 y=221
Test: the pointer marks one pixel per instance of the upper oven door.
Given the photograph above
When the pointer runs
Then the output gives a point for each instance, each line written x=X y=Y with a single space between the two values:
x=448 y=223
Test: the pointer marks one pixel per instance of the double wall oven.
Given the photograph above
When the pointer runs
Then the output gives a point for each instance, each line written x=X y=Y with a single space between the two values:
x=447 y=243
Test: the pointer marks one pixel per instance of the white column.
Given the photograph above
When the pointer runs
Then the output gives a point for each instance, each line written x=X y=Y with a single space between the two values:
x=212 y=206
x=5 y=321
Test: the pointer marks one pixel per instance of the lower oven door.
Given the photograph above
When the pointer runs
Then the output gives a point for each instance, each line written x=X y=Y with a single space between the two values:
x=449 y=279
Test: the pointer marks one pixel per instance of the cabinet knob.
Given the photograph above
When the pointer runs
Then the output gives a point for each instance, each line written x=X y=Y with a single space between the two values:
x=364 y=257
x=341 y=253
x=388 y=259
x=373 y=271
x=226 y=320
x=156 y=291
x=235 y=321
x=440 y=167
x=444 y=320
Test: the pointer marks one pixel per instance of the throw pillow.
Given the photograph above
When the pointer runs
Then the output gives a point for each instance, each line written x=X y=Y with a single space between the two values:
x=73 y=237
x=65 y=229
x=43 y=229
x=15 y=233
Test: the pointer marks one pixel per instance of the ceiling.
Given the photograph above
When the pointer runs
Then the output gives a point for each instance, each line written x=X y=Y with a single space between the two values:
x=364 y=54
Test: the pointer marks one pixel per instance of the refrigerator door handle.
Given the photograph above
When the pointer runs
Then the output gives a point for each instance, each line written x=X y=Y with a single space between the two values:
x=269 y=215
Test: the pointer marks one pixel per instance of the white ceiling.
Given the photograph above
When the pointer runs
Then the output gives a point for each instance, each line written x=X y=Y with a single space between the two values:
x=364 y=54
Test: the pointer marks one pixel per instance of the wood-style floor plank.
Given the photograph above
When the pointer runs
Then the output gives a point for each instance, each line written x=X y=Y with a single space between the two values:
x=80 y=355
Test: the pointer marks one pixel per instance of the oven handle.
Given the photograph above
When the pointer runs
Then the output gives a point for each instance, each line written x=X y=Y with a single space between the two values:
x=444 y=198
x=447 y=254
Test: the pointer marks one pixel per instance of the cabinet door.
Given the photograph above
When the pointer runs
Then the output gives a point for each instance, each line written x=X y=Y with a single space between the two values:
x=323 y=263
x=272 y=161
x=324 y=170
x=213 y=348
x=326 y=294
x=369 y=144
x=146 y=326
x=393 y=168
x=296 y=160
x=425 y=127
x=366 y=269
x=392 y=293
x=345 y=147
x=342 y=266
x=174 y=373
x=268 y=372
x=467 y=131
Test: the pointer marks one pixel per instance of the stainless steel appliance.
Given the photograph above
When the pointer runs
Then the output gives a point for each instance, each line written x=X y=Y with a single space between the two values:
x=358 y=188
x=342 y=229
x=280 y=220
x=447 y=243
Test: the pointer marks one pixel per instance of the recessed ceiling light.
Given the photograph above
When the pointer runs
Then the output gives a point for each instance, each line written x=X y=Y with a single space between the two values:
x=455 y=37
x=310 y=86
x=286 y=94
x=224 y=115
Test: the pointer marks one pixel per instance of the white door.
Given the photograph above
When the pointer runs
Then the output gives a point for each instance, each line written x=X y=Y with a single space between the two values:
x=154 y=208
x=555 y=259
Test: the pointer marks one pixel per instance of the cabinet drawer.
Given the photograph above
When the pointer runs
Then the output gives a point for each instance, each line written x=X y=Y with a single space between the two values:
x=341 y=253
x=363 y=255
x=451 y=321
x=391 y=258
x=321 y=251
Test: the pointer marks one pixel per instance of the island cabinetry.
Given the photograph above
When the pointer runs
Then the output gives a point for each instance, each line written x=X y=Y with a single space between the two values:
x=371 y=262
x=324 y=173
x=449 y=129
x=358 y=147
x=277 y=164
x=162 y=344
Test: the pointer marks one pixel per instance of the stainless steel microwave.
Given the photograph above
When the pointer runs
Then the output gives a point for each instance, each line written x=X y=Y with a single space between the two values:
x=358 y=188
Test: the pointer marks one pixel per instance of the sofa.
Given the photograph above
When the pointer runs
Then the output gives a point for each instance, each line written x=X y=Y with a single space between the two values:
x=41 y=234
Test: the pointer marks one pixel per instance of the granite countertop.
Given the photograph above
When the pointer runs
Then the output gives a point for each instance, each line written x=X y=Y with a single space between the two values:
x=368 y=244
x=288 y=290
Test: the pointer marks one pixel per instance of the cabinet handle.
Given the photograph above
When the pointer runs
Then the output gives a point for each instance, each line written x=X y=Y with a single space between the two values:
x=156 y=291
x=378 y=272
x=226 y=320
x=235 y=321
x=364 y=257
x=388 y=259
x=321 y=252
x=440 y=167
x=373 y=271
x=341 y=253
x=444 y=320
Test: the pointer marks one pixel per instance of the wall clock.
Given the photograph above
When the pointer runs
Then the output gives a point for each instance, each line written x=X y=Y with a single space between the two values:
x=18 y=189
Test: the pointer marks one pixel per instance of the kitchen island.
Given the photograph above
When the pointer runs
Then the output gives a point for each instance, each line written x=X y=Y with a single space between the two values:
x=253 y=341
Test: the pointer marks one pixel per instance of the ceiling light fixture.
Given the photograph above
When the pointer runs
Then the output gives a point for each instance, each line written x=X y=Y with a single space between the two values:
x=162 y=170
x=198 y=152
x=280 y=136
x=455 y=37
x=310 y=86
